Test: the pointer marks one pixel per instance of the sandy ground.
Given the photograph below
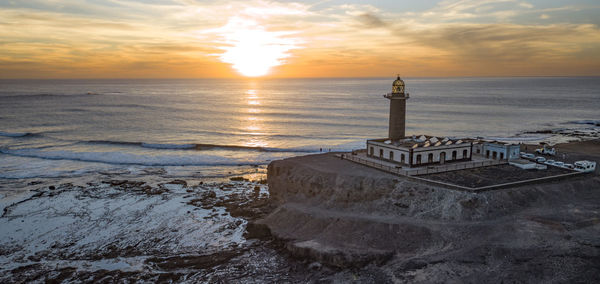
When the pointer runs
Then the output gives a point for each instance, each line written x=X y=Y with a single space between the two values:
x=573 y=151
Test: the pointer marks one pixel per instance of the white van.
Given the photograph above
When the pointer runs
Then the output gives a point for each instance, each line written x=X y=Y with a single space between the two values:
x=585 y=166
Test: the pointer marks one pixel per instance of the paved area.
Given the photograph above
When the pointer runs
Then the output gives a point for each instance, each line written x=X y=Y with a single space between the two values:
x=362 y=158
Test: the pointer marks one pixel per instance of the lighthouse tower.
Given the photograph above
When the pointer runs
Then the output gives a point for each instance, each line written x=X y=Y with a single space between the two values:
x=397 y=99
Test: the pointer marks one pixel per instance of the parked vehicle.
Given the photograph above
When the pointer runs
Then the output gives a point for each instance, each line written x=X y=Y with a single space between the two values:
x=585 y=166
x=529 y=156
x=540 y=159
x=559 y=164
x=549 y=162
x=546 y=150
x=568 y=166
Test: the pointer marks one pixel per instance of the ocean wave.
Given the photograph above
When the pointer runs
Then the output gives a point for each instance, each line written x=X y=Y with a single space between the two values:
x=120 y=158
x=167 y=146
x=16 y=134
x=586 y=121
x=200 y=147
x=519 y=138
x=49 y=95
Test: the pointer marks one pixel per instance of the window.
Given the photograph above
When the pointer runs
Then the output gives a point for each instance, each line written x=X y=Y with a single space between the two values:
x=392 y=155
x=494 y=155
x=418 y=159
x=371 y=151
x=478 y=151
x=487 y=153
x=465 y=154
x=501 y=156
x=381 y=153
x=430 y=158
x=453 y=155
x=402 y=158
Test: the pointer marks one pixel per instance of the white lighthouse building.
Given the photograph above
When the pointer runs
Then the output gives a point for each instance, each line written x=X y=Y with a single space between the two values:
x=415 y=150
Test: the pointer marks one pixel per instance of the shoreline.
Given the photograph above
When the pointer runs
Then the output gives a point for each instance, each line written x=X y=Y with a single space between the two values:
x=153 y=227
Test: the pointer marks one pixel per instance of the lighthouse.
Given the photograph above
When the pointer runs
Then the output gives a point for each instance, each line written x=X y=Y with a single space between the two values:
x=415 y=150
x=397 y=98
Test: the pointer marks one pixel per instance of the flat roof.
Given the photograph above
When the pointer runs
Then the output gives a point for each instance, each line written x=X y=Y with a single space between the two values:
x=423 y=141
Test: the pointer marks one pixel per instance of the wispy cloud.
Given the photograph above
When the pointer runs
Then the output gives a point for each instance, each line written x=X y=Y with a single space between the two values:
x=187 y=38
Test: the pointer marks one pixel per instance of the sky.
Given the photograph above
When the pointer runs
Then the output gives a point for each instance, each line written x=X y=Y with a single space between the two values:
x=289 y=39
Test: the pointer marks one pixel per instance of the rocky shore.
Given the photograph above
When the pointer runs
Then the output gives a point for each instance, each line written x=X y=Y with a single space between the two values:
x=375 y=224
x=316 y=218
x=111 y=229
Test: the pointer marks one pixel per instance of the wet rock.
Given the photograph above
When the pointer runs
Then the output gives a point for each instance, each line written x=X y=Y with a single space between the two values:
x=193 y=262
x=178 y=181
x=155 y=191
x=117 y=182
x=238 y=179
x=257 y=231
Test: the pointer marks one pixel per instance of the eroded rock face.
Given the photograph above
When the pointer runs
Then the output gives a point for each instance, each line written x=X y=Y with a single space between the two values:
x=343 y=214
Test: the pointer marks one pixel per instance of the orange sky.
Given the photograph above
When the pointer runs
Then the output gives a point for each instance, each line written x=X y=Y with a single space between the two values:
x=192 y=39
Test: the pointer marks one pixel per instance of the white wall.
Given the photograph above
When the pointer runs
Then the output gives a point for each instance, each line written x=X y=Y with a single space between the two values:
x=386 y=153
x=423 y=151
x=438 y=152
x=509 y=151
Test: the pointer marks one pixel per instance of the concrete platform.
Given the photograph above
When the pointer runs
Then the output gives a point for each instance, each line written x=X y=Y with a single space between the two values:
x=362 y=158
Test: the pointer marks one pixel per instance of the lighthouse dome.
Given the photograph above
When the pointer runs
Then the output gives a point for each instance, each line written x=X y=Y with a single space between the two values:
x=398 y=86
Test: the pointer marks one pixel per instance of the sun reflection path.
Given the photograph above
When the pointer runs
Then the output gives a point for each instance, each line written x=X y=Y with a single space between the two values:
x=253 y=124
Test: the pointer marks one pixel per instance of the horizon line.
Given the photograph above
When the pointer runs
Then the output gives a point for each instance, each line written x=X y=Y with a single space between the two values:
x=279 y=78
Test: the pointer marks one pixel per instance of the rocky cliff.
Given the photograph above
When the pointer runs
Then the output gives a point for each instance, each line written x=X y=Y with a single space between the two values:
x=344 y=214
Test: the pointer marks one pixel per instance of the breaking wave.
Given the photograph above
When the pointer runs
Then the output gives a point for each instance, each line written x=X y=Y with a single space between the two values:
x=16 y=134
x=200 y=147
x=120 y=158
x=586 y=121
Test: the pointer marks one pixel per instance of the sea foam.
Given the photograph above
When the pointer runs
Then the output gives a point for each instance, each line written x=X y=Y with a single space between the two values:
x=121 y=158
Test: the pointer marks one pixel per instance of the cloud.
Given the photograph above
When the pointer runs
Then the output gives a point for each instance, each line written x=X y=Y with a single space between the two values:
x=370 y=21
x=188 y=38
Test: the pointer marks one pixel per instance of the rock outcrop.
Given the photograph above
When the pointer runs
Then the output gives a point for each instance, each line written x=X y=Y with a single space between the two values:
x=343 y=214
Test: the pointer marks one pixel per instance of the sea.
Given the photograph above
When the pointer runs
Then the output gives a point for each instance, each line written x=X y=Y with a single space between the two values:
x=218 y=128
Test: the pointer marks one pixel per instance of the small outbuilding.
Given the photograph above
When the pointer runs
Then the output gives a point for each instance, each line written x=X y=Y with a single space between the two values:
x=496 y=150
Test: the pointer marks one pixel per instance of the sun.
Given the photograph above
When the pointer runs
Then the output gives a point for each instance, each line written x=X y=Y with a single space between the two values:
x=251 y=49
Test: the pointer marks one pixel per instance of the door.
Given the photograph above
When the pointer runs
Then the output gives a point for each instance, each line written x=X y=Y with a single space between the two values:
x=442 y=157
